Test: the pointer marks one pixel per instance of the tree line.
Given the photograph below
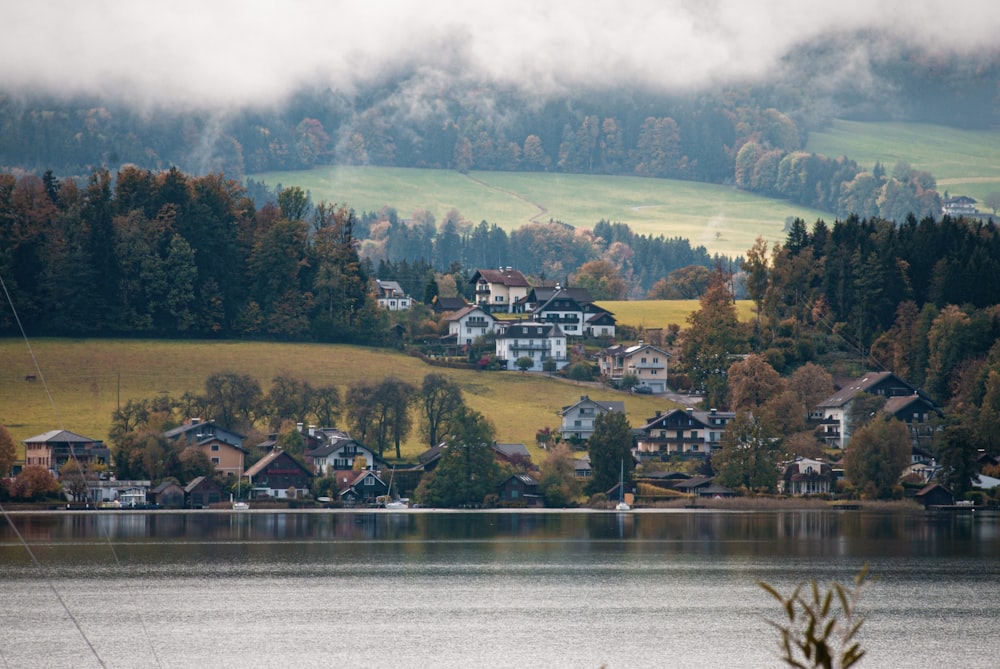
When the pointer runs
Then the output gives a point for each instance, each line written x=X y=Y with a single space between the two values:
x=170 y=255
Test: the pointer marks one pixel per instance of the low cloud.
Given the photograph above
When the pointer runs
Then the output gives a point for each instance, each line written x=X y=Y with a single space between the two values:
x=224 y=53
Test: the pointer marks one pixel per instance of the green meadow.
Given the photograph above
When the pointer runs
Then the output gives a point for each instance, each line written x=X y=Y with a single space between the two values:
x=84 y=380
x=722 y=219
x=964 y=162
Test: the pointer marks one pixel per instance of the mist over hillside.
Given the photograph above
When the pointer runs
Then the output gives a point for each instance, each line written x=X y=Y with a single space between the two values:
x=663 y=89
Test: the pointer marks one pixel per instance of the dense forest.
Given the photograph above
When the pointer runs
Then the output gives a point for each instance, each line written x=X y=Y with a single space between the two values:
x=749 y=136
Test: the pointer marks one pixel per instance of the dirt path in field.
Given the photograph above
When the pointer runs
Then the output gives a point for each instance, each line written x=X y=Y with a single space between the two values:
x=542 y=211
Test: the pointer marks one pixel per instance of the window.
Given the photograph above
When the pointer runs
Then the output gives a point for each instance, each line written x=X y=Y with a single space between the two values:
x=369 y=480
x=215 y=448
x=215 y=461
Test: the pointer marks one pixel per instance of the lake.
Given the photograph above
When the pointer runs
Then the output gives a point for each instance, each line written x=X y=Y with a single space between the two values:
x=442 y=589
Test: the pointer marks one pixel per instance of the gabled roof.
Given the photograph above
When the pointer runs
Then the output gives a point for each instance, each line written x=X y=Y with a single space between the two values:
x=896 y=404
x=527 y=329
x=526 y=479
x=199 y=426
x=513 y=450
x=262 y=464
x=163 y=486
x=323 y=450
x=466 y=310
x=449 y=303
x=390 y=288
x=605 y=405
x=602 y=317
x=197 y=482
x=506 y=277
x=542 y=294
x=702 y=418
x=861 y=384
x=640 y=347
x=694 y=483
x=60 y=437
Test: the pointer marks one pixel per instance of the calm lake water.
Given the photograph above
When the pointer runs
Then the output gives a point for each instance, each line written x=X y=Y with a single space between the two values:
x=483 y=589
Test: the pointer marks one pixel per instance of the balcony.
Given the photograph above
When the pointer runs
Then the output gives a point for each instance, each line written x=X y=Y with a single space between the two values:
x=529 y=347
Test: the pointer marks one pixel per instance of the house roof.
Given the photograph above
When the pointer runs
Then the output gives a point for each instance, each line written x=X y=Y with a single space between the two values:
x=524 y=329
x=512 y=450
x=861 y=384
x=931 y=487
x=465 y=311
x=694 y=483
x=262 y=464
x=163 y=486
x=199 y=426
x=526 y=479
x=542 y=294
x=390 y=288
x=325 y=449
x=704 y=418
x=60 y=437
x=640 y=347
x=896 y=404
x=606 y=405
x=197 y=482
x=506 y=277
x=449 y=303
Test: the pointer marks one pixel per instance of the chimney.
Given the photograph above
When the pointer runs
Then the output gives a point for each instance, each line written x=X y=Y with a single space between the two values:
x=690 y=410
x=298 y=426
x=583 y=398
x=194 y=421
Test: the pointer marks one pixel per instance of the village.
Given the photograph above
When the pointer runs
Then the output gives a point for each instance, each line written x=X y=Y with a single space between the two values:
x=671 y=452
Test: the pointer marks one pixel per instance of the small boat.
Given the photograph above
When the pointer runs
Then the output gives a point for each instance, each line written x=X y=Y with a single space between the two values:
x=397 y=503
x=240 y=504
x=622 y=505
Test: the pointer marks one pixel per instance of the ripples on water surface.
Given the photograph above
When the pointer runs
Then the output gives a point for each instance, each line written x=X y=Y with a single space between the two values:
x=658 y=589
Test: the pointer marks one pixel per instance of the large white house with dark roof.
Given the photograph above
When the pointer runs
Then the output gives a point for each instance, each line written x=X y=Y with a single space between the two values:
x=498 y=289
x=538 y=341
x=834 y=413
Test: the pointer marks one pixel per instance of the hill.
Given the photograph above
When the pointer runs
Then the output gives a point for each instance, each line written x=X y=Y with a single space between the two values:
x=88 y=378
x=964 y=162
x=720 y=218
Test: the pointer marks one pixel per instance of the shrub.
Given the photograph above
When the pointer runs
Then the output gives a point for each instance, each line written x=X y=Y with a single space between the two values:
x=820 y=632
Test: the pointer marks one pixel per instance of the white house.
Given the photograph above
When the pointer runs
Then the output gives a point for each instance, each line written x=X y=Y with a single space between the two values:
x=498 y=289
x=391 y=296
x=806 y=476
x=646 y=362
x=573 y=309
x=340 y=454
x=578 y=418
x=834 y=413
x=468 y=323
x=537 y=341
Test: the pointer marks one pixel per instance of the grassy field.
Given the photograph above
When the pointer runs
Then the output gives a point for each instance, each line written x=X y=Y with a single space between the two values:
x=86 y=379
x=661 y=313
x=964 y=162
x=720 y=218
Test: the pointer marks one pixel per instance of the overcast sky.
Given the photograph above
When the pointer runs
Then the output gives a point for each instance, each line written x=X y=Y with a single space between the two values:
x=211 y=52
